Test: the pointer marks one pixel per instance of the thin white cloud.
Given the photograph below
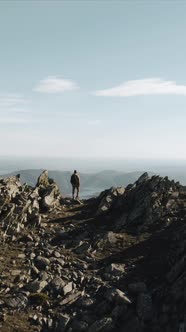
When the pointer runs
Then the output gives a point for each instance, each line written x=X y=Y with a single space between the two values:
x=12 y=109
x=12 y=100
x=9 y=111
x=55 y=84
x=149 y=86
x=11 y=120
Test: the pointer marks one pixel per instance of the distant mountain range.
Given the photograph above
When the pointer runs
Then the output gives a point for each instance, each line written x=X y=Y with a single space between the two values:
x=91 y=184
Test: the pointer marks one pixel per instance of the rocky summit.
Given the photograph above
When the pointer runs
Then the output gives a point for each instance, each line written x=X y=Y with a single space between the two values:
x=111 y=263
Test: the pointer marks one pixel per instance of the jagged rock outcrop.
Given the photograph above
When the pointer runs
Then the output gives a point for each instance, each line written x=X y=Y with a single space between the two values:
x=115 y=263
x=145 y=202
x=154 y=203
x=48 y=191
x=22 y=205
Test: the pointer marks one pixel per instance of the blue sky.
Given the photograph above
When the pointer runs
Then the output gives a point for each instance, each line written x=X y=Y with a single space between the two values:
x=93 y=79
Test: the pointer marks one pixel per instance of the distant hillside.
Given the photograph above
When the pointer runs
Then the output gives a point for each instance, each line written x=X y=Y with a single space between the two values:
x=94 y=183
x=90 y=183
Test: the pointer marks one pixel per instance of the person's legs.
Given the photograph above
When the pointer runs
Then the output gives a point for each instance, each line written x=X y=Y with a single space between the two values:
x=77 y=188
x=73 y=191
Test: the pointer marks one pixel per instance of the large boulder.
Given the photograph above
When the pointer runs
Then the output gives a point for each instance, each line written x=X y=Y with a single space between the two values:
x=48 y=191
x=107 y=199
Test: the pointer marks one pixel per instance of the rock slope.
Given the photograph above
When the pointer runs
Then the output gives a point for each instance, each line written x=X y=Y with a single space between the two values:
x=115 y=263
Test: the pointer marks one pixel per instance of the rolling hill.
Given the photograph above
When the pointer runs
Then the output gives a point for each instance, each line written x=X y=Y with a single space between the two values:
x=94 y=183
x=91 y=184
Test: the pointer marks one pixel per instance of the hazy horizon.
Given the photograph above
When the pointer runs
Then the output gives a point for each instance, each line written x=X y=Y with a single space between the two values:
x=89 y=165
x=96 y=175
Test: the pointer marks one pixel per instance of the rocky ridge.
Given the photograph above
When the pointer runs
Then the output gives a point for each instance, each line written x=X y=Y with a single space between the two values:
x=114 y=263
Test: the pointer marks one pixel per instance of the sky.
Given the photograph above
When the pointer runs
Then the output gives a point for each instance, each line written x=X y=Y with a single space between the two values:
x=93 y=79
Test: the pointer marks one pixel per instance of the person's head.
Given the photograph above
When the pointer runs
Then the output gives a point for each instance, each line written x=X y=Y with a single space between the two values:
x=75 y=171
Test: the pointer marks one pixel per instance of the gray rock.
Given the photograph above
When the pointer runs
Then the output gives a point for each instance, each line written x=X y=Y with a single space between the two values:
x=83 y=248
x=71 y=298
x=115 y=294
x=60 y=261
x=36 y=286
x=57 y=254
x=43 y=179
x=144 y=177
x=76 y=286
x=21 y=256
x=103 y=325
x=34 y=270
x=13 y=185
x=85 y=302
x=44 y=276
x=116 y=269
x=41 y=262
x=68 y=288
x=108 y=198
x=19 y=301
x=16 y=272
x=57 y=285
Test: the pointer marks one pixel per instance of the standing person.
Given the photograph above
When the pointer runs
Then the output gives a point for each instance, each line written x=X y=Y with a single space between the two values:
x=75 y=182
